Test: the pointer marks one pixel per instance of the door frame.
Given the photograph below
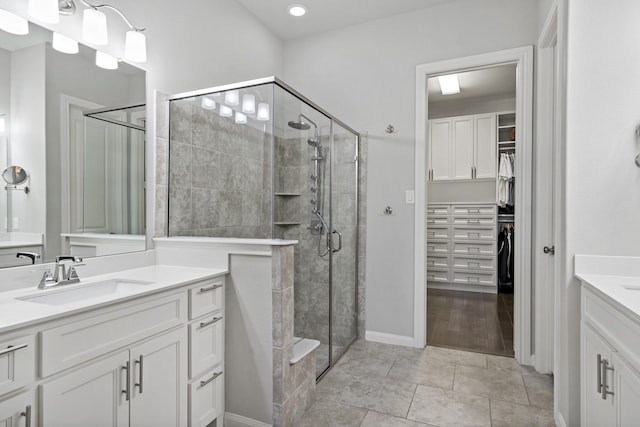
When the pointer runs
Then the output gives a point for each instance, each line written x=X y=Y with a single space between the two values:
x=523 y=58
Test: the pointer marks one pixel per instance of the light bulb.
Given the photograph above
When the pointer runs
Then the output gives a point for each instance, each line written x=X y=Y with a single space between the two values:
x=64 y=44
x=208 y=103
x=105 y=61
x=297 y=10
x=232 y=97
x=13 y=23
x=263 y=112
x=248 y=103
x=135 y=48
x=44 y=10
x=94 y=27
x=225 y=111
x=240 y=118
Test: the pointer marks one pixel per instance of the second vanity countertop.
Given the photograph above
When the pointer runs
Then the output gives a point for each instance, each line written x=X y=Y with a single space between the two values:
x=16 y=310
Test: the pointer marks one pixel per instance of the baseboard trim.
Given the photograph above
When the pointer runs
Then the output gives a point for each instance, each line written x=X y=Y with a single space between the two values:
x=234 y=420
x=388 y=338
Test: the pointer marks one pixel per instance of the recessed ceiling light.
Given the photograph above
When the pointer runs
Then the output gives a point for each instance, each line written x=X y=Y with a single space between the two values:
x=297 y=10
x=449 y=84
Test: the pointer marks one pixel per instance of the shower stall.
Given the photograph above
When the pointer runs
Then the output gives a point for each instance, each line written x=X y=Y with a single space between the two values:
x=259 y=160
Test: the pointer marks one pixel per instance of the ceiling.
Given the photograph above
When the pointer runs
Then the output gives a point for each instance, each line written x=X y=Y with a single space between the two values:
x=327 y=15
x=489 y=82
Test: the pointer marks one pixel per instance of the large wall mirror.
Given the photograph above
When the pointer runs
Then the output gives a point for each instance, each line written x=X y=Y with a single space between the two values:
x=78 y=132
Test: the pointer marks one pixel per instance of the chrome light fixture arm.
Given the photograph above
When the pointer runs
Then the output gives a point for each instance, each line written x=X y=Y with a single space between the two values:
x=115 y=9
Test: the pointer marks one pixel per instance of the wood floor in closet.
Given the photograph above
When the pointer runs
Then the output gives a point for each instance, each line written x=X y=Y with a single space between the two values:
x=470 y=321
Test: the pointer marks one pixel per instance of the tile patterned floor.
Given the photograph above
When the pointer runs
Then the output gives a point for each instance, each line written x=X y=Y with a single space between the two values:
x=380 y=385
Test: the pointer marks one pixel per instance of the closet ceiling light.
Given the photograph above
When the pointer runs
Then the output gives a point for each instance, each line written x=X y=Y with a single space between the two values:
x=13 y=23
x=297 y=10
x=248 y=103
x=232 y=97
x=44 y=11
x=105 y=61
x=208 y=103
x=449 y=84
x=263 y=112
x=94 y=27
x=64 y=44
x=225 y=111
x=240 y=118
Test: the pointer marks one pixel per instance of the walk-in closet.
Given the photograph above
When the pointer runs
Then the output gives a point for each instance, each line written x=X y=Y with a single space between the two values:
x=471 y=149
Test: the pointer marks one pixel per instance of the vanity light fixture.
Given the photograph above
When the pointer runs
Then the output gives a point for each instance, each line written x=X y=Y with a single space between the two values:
x=248 y=103
x=297 y=10
x=241 y=119
x=263 y=112
x=106 y=61
x=94 y=27
x=44 y=10
x=208 y=103
x=449 y=84
x=135 y=47
x=13 y=23
x=232 y=97
x=64 y=44
x=225 y=111
x=2 y=124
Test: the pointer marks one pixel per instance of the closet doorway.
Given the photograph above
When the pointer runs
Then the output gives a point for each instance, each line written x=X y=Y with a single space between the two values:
x=470 y=210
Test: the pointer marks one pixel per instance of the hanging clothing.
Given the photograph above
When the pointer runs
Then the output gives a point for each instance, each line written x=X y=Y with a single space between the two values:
x=511 y=198
x=505 y=254
x=505 y=173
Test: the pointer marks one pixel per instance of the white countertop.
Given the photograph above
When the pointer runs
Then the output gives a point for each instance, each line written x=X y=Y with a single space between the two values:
x=15 y=313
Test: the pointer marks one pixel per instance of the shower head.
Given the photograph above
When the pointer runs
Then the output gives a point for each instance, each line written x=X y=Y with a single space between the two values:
x=300 y=125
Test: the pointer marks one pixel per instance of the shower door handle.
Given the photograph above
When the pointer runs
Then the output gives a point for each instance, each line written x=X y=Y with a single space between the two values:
x=339 y=241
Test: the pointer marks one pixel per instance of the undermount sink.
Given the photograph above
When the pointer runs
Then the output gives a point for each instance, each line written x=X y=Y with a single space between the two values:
x=632 y=287
x=83 y=292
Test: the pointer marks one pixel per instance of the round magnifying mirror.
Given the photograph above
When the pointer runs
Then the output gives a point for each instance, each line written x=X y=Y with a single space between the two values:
x=14 y=175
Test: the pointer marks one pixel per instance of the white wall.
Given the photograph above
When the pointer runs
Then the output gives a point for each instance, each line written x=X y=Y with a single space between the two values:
x=5 y=108
x=602 y=187
x=365 y=75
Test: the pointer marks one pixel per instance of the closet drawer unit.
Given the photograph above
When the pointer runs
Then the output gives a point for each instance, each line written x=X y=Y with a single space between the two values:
x=437 y=275
x=474 y=248
x=206 y=297
x=442 y=210
x=460 y=262
x=488 y=221
x=474 y=209
x=473 y=278
x=206 y=398
x=438 y=232
x=206 y=341
x=461 y=232
x=437 y=247
x=437 y=220
x=17 y=363
x=438 y=261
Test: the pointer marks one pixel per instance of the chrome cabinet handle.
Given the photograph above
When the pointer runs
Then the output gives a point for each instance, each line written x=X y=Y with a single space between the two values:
x=140 y=362
x=339 y=241
x=599 y=374
x=205 y=382
x=12 y=348
x=27 y=416
x=213 y=288
x=126 y=391
x=605 y=386
x=210 y=322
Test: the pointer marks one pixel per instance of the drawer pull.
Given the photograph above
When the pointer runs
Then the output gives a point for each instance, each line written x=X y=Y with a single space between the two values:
x=473 y=249
x=473 y=279
x=213 y=288
x=474 y=210
x=127 y=391
x=473 y=221
x=210 y=322
x=11 y=349
x=140 y=362
x=27 y=416
x=205 y=382
x=474 y=264
x=469 y=234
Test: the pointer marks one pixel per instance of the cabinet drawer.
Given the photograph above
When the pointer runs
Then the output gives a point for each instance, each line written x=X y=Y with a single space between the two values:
x=437 y=261
x=437 y=209
x=475 y=220
x=437 y=220
x=89 y=337
x=206 y=297
x=436 y=275
x=437 y=247
x=474 y=209
x=17 y=363
x=471 y=263
x=206 y=341
x=438 y=232
x=206 y=398
x=474 y=248
x=474 y=278
x=474 y=233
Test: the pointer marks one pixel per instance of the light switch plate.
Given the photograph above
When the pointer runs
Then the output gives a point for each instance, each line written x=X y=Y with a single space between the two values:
x=409 y=197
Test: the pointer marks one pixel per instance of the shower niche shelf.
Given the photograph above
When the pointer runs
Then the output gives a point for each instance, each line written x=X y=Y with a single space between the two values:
x=286 y=223
x=285 y=194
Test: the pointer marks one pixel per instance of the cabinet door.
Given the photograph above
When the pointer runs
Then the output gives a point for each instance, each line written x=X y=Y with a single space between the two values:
x=91 y=396
x=439 y=149
x=159 y=373
x=462 y=147
x=626 y=381
x=19 y=411
x=596 y=412
x=485 y=145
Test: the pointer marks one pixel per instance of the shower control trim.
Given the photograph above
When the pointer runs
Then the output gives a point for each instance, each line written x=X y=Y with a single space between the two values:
x=316 y=228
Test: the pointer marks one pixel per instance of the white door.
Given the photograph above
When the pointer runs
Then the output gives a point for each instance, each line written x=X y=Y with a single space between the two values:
x=439 y=147
x=626 y=382
x=159 y=373
x=596 y=411
x=91 y=396
x=19 y=411
x=462 y=147
x=485 y=145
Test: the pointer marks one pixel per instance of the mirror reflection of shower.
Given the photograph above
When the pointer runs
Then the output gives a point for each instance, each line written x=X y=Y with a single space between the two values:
x=317 y=226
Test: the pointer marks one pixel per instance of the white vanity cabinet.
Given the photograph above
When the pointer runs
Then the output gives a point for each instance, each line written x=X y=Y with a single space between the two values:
x=610 y=363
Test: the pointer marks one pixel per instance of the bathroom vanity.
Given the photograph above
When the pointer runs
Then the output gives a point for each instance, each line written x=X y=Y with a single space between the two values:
x=609 y=340
x=143 y=346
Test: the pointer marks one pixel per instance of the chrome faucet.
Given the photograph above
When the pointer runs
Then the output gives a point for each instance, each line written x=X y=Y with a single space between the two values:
x=69 y=275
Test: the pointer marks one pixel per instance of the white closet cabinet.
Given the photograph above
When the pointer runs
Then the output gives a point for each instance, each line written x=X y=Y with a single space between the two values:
x=462 y=148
